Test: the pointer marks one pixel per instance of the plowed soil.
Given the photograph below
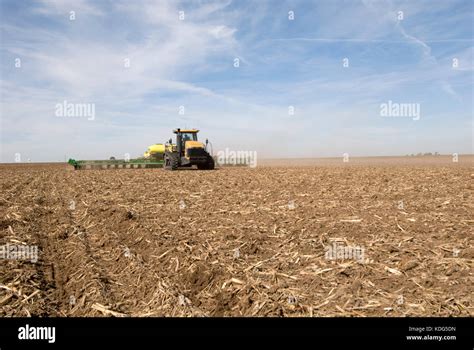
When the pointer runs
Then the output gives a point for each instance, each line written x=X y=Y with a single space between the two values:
x=240 y=241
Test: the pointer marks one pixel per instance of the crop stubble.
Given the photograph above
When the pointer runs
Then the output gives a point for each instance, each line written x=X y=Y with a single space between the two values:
x=239 y=241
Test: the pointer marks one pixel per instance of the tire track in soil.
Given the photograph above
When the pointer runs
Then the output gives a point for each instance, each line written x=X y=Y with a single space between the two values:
x=81 y=271
x=43 y=277
x=54 y=239
x=48 y=269
x=71 y=271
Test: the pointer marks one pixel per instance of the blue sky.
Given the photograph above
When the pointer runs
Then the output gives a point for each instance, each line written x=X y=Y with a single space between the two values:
x=282 y=63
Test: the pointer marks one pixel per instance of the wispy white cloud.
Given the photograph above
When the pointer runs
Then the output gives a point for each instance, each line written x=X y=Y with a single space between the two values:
x=64 y=7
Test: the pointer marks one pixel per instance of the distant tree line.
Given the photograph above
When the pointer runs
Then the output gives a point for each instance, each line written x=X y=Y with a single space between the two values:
x=423 y=154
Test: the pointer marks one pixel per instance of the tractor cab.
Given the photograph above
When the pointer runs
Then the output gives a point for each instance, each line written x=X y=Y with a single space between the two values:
x=188 y=135
x=186 y=139
x=187 y=151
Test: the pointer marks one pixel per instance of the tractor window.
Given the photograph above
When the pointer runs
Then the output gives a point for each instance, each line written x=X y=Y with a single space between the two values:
x=189 y=136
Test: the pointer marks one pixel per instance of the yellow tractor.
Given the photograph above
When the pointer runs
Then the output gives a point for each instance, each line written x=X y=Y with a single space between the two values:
x=187 y=151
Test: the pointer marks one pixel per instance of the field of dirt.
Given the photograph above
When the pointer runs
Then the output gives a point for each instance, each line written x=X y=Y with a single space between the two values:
x=362 y=238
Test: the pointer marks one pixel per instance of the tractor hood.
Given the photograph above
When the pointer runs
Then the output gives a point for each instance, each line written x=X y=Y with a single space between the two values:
x=193 y=144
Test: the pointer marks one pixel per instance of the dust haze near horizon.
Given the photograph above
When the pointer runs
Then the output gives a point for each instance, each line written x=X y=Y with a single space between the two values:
x=284 y=78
